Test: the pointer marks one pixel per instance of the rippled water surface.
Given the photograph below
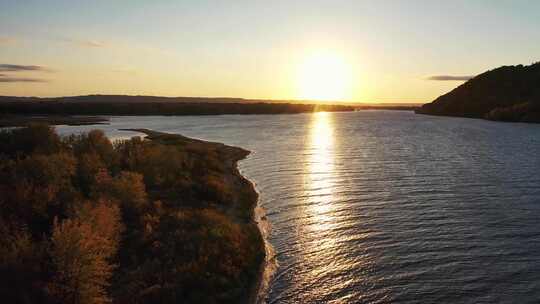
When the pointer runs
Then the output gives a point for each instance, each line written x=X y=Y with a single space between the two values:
x=387 y=207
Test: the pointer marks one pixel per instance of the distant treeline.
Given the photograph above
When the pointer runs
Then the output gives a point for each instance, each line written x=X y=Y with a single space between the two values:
x=150 y=105
x=11 y=120
x=384 y=107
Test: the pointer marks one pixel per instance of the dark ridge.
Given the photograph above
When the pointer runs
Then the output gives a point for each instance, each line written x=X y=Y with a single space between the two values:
x=508 y=93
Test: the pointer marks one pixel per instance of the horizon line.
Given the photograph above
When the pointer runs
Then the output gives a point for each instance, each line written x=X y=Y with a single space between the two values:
x=299 y=101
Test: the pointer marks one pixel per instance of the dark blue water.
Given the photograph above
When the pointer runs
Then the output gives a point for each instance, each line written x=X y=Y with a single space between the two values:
x=388 y=207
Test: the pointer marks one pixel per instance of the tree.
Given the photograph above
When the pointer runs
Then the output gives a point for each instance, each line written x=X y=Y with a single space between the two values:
x=90 y=164
x=36 y=138
x=22 y=266
x=96 y=142
x=127 y=188
x=81 y=250
x=36 y=188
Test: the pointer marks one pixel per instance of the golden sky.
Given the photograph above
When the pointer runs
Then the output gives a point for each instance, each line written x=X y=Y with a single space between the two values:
x=358 y=51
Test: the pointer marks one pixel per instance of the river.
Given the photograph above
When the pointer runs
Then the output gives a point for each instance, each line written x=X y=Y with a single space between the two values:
x=386 y=206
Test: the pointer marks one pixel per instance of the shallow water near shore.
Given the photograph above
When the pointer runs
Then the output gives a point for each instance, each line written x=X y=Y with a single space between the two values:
x=386 y=206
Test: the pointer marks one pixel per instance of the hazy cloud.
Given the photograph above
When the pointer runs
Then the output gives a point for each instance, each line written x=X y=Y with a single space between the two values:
x=20 y=79
x=7 y=40
x=21 y=68
x=125 y=71
x=449 y=78
x=85 y=43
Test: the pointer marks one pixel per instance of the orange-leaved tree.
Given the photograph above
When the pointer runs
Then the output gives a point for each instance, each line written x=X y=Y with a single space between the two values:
x=81 y=250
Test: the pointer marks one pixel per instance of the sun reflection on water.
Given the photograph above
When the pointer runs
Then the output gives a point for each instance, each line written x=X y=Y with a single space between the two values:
x=323 y=263
x=319 y=187
x=318 y=221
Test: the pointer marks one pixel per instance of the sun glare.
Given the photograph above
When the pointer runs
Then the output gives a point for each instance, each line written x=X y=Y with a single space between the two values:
x=324 y=76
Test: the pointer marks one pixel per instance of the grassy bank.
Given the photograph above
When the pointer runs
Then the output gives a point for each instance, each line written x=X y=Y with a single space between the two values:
x=165 y=219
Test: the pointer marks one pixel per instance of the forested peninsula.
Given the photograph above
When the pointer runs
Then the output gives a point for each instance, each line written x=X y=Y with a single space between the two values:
x=160 y=219
x=508 y=93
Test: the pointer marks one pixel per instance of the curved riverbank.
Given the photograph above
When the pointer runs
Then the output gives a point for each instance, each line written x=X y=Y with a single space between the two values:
x=268 y=268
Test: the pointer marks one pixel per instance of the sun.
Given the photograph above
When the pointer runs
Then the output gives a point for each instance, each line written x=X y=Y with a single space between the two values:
x=324 y=76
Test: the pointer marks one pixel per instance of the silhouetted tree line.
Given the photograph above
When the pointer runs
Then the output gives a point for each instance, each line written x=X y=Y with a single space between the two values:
x=508 y=93
x=149 y=105
x=83 y=220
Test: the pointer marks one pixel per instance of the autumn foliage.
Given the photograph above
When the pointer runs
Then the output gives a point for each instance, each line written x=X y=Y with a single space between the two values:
x=138 y=221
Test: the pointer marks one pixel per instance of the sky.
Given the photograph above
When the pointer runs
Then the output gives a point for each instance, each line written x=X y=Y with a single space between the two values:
x=391 y=51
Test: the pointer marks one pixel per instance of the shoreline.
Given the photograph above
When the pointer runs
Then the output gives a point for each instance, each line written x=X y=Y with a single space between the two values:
x=231 y=157
x=269 y=265
x=256 y=292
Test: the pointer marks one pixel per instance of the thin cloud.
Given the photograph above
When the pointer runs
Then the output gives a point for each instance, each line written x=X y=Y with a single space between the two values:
x=22 y=68
x=16 y=68
x=20 y=79
x=125 y=71
x=85 y=43
x=449 y=78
